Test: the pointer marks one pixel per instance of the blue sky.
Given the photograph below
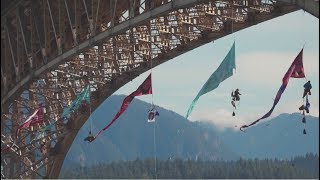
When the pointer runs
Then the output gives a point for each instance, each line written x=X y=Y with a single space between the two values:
x=264 y=52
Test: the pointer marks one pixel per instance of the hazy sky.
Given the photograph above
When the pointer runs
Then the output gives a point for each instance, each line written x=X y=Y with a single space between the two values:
x=264 y=53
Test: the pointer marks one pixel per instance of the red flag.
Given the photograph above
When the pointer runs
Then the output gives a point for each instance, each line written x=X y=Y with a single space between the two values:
x=296 y=70
x=35 y=118
x=143 y=89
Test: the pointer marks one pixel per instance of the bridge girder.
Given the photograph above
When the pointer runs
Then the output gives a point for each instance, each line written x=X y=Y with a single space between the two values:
x=49 y=56
x=311 y=6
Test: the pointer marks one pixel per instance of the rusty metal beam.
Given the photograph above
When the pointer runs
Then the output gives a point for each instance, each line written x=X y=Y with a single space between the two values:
x=39 y=29
x=87 y=13
x=23 y=33
x=114 y=11
x=2 y=74
x=96 y=21
x=54 y=29
x=70 y=22
x=11 y=50
x=15 y=4
x=311 y=6
x=115 y=30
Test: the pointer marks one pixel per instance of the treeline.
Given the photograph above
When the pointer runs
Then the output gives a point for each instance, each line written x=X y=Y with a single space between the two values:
x=303 y=167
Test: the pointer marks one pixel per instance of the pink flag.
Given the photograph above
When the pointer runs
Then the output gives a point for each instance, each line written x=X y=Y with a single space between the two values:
x=143 y=89
x=35 y=118
x=296 y=70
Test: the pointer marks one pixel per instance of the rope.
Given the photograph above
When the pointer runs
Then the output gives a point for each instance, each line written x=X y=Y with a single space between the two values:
x=304 y=46
x=155 y=149
x=232 y=29
x=90 y=120
x=234 y=40
x=232 y=25
x=90 y=110
x=151 y=67
x=114 y=12
x=303 y=25
x=303 y=21
x=303 y=99
x=302 y=58
x=154 y=126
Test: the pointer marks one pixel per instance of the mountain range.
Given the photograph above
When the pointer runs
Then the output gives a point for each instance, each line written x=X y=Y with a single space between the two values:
x=281 y=137
x=172 y=136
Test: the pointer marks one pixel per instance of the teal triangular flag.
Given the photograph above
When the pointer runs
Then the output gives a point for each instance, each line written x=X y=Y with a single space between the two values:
x=75 y=104
x=224 y=71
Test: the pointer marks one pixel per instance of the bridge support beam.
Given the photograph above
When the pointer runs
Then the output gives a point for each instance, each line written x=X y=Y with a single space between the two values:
x=311 y=6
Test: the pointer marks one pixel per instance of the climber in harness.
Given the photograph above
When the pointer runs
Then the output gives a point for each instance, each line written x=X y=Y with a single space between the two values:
x=307 y=87
x=152 y=114
x=304 y=121
x=305 y=107
x=304 y=131
x=304 y=124
x=89 y=138
x=235 y=97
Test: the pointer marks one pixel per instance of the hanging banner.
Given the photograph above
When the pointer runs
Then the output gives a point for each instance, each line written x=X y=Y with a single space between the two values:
x=83 y=97
x=296 y=70
x=35 y=118
x=144 y=89
x=224 y=71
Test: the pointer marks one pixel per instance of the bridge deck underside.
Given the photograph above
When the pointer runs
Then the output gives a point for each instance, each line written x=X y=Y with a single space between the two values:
x=52 y=49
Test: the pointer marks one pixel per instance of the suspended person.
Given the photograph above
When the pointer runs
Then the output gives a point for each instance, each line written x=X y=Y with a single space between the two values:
x=234 y=105
x=152 y=114
x=307 y=87
x=89 y=138
x=304 y=122
x=304 y=129
x=235 y=97
x=304 y=119
x=307 y=107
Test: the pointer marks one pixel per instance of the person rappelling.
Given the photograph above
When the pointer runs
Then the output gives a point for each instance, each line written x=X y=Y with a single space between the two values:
x=152 y=114
x=304 y=131
x=305 y=108
x=304 y=121
x=89 y=138
x=235 y=97
x=307 y=89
